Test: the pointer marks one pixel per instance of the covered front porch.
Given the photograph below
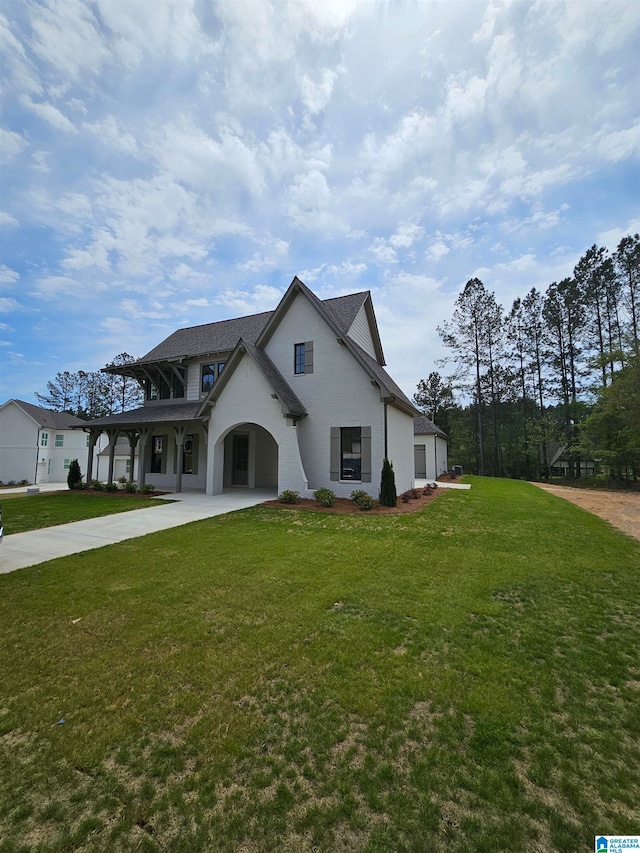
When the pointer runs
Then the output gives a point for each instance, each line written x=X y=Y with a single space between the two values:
x=168 y=443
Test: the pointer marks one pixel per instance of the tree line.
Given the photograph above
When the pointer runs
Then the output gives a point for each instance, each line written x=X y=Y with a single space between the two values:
x=93 y=394
x=555 y=376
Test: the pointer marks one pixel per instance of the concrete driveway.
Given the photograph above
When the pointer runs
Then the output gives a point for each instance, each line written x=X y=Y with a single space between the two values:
x=37 y=546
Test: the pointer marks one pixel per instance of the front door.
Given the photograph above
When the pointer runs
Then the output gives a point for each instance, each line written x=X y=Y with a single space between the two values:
x=240 y=461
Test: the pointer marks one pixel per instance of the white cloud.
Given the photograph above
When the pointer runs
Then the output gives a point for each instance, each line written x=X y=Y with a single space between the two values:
x=50 y=114
x=66 y=37
x=406 y=235
x=7 y=305
x=8 y=221
x=316 y=94
x=383 y=252
x=7 y=275
x=261 y=298
x=11 y=144
x=111 y=133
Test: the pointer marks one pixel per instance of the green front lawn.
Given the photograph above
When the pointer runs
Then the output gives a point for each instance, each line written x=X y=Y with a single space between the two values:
x=21 y=513
x=462 y=679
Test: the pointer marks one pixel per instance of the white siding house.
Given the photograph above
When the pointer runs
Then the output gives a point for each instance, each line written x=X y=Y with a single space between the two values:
x=295 y=398
x=37 y=444
x=430 y=449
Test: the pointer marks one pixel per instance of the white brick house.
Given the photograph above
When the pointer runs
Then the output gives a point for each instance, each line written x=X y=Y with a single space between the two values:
x=296 y=398
x=37 y=444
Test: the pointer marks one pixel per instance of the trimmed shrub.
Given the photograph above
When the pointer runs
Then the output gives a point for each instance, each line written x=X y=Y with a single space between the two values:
x=122 y=480
x=388 y=496
x=24 y=482
x=111 y=487
x=148 y=488
x=362 y=499
x=74 y=477
x=325 y=497
x=131 y=488
x=98 y=485
x=365 y=503
x=289 y=497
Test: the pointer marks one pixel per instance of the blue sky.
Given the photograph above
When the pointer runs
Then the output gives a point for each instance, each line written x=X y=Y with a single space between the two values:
x=168 y=164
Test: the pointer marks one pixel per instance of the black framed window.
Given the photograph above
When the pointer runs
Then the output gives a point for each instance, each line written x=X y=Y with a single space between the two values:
x=187 y=458
x=157 y=453
x=298 y=358
x=350 y=453
x=208 y=377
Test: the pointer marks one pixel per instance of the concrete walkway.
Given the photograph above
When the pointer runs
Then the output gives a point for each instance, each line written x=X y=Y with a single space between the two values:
x=27 y=549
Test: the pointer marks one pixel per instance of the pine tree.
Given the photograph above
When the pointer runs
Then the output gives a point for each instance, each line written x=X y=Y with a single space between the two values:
x=388 y=496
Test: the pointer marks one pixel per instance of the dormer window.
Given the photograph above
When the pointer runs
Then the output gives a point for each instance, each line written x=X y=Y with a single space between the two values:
x=303 y=358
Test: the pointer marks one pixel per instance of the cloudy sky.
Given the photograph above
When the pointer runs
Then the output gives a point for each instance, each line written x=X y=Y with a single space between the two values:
x=166 y=164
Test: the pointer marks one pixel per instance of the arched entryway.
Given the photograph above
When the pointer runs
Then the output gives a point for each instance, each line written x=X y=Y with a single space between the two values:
x=250 y=457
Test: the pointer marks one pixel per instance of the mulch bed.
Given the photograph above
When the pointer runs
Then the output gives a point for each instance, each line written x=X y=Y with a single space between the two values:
x=344 y=506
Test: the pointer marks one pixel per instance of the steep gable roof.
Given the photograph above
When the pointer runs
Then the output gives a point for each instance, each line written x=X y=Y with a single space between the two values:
x=281 y=387
x=223 y=335
x=208 y=338
x=46 y=418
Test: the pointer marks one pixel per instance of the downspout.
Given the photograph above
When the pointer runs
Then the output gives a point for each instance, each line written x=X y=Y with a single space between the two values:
x=35 y=478
x=435 y=455
x=386 y=448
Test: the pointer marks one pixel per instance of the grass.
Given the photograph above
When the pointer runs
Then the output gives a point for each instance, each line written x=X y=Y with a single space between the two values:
x=465 y=679
x=21 y=513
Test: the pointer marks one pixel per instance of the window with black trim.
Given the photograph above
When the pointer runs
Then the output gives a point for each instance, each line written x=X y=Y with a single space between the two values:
x=44 y=439
x=187 y=458
x=208 y=377
x=303 y=358
x=157 y=454
x=350 y=453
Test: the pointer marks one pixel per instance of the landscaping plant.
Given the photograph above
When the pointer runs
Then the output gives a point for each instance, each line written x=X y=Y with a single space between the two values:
x=388 y=496
x=74 y=477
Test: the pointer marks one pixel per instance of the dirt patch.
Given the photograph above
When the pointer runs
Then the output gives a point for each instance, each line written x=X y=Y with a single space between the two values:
x=344 y=506
x=622 y=509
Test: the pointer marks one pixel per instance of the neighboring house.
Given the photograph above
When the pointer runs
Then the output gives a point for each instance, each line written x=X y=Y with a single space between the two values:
x=37 y=444
x=560 y=465
x=122 y=462
x=429 y=449
x=295 y=398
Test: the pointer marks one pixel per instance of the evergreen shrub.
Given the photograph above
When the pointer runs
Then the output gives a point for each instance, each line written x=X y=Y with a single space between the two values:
x=388 y=496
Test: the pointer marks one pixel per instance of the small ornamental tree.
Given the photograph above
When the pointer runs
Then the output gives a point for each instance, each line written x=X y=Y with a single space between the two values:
x=74 y=477
x=388 y=496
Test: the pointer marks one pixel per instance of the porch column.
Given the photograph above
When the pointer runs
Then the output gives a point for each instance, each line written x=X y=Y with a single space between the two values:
x=145 y=436
x=133 y=440
x=113 y=437
x=94 y=435
x=180 y=434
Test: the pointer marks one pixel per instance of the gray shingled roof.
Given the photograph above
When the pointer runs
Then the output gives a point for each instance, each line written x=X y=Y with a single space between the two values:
x=345 y=308
x=423 y=426
x=149 y=415
x=277 y=380
x=49 y=419
x=210 y=338
x=225 y=334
